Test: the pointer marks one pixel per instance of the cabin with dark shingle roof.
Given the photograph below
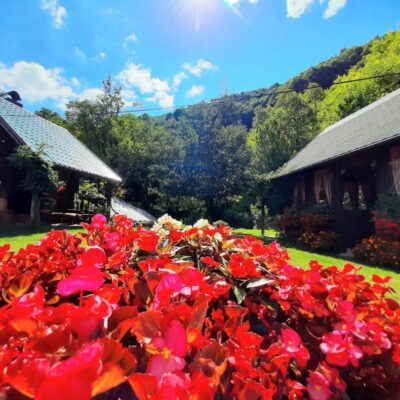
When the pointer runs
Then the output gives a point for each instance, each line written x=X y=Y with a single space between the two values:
x=72 y=159
x=348 y=165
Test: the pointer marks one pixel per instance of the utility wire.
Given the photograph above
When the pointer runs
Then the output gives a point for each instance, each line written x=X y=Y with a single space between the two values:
x=224 y=100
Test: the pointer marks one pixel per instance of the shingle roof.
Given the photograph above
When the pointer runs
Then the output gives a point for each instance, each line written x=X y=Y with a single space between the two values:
x=62 y=148
x=119 y=206
x=377 y=123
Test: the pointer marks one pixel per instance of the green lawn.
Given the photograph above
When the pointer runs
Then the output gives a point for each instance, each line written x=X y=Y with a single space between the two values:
x=302 y=259
x=19 y=238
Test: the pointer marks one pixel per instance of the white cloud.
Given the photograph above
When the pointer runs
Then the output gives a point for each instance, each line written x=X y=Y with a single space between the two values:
x=135 y=76
x=102 y=54
x=296 y=8
x=130 y=39
x=199 y=67
x=57 y=12
x=178 y=78
x=75 y=81
x=80 y=53
x=195 y=90
x=34 y=82
x=334 y=6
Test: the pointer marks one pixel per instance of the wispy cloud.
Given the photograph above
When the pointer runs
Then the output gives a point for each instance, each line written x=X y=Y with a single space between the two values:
x=130 y=39
x=334 y=6
x=80 y=53
x=56 y=11
x=195 y=90
x=199 y=67
x=296 y=8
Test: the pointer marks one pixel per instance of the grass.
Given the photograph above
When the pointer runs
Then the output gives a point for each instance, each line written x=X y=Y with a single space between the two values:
x=20 y=237
x=302 y=258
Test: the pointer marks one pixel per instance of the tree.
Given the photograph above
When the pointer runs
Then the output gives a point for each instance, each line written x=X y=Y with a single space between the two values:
x=342 y=100
x=40 y=176
x=91 y=120
x=52 y=116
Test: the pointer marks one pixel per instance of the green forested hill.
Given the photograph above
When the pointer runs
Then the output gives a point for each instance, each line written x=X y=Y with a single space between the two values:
x=213 y=160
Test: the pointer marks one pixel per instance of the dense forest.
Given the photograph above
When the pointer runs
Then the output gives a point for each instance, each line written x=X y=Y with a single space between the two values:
x=215 y=160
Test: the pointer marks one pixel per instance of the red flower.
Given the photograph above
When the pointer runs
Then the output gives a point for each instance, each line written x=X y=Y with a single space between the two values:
x=318 y=387
x=340 y=351
x=148 y=241
x=242 y=267
x=72 y=379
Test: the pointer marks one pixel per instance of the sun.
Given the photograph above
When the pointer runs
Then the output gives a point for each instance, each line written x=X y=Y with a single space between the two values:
x=203 y=13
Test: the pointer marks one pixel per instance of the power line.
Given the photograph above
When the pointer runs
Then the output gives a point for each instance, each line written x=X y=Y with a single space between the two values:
x=225 y=100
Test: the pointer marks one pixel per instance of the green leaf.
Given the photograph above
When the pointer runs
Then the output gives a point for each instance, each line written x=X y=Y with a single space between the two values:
x=255 y=283
x=239 y=293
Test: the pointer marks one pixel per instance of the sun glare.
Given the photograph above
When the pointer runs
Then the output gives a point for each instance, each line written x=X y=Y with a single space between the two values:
x=203 y=14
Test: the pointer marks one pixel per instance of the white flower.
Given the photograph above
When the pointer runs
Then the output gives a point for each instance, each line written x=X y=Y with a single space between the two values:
x=201 y=223
x=167 y=221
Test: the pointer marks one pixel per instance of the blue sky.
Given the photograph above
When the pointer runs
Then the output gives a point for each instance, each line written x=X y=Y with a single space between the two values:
x=174 y=52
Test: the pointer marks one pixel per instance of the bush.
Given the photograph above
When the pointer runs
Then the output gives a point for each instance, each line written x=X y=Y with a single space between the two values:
x=220 y=222
x=323 y=240
x=189 y=312
x=379 y=251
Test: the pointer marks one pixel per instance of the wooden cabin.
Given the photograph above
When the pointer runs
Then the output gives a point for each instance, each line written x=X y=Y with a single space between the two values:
x=72 y=159
x=348 y=165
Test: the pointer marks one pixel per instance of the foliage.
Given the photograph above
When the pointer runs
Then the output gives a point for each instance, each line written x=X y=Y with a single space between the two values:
x=379 y=251
x=292 y=224
x=383 y=57
x=280 y=131
x=91 y=120
x=40 y=175
x=321 y=241
x=192 y=312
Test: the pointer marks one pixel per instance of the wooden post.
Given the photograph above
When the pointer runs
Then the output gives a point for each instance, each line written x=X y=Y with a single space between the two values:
x=35 y=210
x=108 y=195
x=262 y=216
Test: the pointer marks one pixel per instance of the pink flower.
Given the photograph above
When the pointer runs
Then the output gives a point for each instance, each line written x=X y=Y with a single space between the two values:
x=171 y=348
x=112 y=240
x=92 y=256
x=99 y=221
x=170 y=285
x=318 y=387
x=294 y=347
x=340 y=351
x=81 y=278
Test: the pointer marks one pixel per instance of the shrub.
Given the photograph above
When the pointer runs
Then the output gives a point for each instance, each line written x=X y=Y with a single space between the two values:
x=193 y=312
x=323 y=240
x=288 y=225
x=379 y=251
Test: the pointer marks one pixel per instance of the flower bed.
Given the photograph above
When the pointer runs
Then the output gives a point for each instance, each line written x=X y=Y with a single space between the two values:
x=321 y=241
x=189 y=313
x=378 y=251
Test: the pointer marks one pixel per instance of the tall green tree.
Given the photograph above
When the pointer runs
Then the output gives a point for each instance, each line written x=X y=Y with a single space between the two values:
x=91 y=120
